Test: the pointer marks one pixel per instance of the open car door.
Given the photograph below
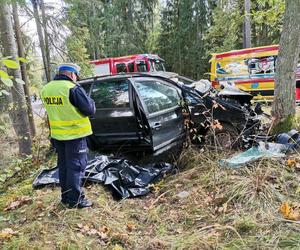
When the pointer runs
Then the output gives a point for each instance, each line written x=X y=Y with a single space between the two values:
x=114 y=123
x=161 y=104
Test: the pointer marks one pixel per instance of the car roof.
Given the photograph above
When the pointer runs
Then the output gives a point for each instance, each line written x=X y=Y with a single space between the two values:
x=158 y=74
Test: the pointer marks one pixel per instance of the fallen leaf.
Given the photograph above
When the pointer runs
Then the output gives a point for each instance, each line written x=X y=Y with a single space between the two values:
x=13 y=205
x=104 y=229
x=18 y=203
x=291 y=163
x=130 y=227
x=7 y=233
x=285 y=209
x=216 y=124
x=39 y=204
x=294 y=215
x=290 y=212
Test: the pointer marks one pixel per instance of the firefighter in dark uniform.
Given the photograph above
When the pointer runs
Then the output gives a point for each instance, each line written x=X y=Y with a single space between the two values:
x=68 y=108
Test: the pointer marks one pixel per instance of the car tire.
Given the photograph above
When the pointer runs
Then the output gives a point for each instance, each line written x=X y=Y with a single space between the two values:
x=225 y=138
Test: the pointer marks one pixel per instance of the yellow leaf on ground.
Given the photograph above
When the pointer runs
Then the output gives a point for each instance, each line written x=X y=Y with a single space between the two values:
x=285 y=209
x=291 y=163
x=294 y=215
x=7 y=233
x=289 y=212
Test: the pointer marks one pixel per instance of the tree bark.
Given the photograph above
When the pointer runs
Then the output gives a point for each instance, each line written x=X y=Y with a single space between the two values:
x=23 y=68
x=41 y=37
x=46 y=40
x=284 y=93
x=247 y=25
x=18 y=112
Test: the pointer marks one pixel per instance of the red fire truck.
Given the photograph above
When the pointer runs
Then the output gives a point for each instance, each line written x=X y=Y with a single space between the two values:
x=124 y=64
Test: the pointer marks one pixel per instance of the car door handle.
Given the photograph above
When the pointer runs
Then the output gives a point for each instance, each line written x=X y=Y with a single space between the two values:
x=156 y=126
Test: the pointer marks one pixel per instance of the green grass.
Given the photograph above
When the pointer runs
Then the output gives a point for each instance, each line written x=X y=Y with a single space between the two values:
x=225 y=209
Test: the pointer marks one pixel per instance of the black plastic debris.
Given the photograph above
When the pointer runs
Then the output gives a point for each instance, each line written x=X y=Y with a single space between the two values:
x=122 y=177
x=47 y=176
x=291 y=140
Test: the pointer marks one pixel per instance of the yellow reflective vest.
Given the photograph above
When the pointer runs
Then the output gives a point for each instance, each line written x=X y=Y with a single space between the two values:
x=66 y=122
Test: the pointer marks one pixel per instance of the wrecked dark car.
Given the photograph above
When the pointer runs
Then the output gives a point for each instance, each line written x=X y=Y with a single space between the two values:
x=157 y=112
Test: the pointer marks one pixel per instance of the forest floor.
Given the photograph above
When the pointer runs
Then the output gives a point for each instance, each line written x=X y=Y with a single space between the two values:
x=203 y=206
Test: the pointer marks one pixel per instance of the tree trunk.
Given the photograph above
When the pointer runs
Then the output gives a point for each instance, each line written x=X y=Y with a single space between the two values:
x=46 y=40
x=23 y=67
x=18 y=112
x=41 y=37
x=247 y=25
x=284 y=93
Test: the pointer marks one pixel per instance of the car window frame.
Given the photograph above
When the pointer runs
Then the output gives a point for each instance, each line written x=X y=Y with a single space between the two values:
x=114 y=80
x=87 y=83
x=124 y=65
x=145 y=63
x=150 y=115
x=130 y=63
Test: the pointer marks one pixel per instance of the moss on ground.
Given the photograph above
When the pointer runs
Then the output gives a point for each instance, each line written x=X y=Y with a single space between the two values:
x=291 y=122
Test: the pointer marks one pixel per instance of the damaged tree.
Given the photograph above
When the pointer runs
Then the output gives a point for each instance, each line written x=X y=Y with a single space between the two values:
x=284 y=108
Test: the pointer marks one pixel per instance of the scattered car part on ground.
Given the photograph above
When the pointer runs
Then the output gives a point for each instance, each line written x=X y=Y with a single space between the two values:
x=267 y=147
x=263 y=150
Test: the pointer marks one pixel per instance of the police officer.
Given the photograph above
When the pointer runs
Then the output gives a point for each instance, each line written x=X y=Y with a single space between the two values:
x=68 y=108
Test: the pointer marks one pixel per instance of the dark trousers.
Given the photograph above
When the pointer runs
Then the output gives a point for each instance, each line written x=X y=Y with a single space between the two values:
x=71 y=161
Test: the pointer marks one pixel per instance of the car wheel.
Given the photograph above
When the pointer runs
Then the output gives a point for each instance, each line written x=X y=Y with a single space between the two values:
x=225 y=138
